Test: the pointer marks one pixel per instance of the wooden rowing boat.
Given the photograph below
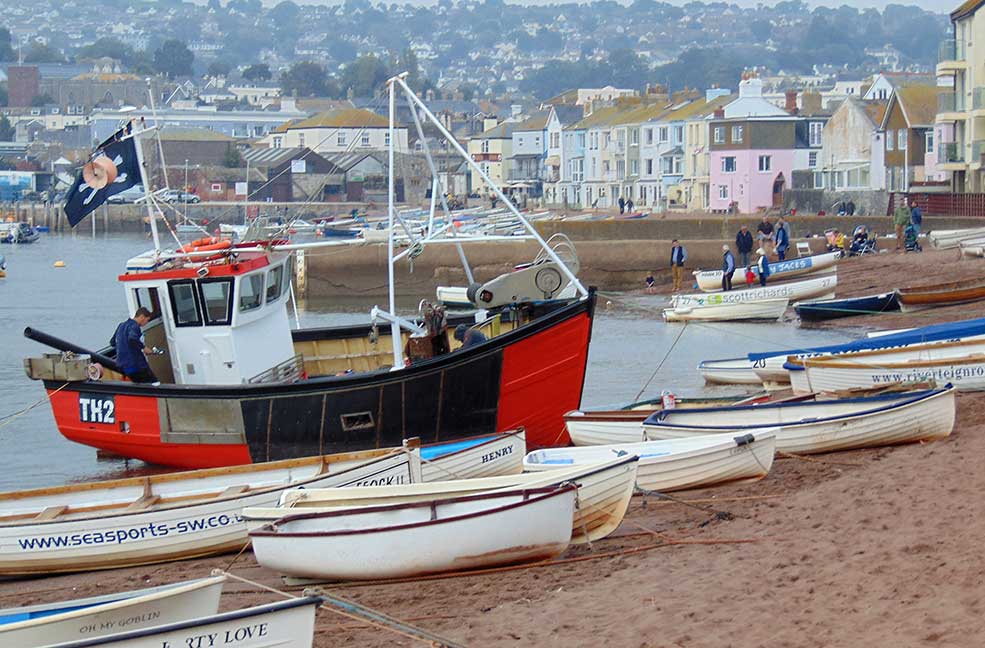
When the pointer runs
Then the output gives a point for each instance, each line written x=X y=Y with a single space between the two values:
x=138 y=521
x=944 y=294
x=480 y=456
x=826 y=309
x=711 y=280
x=284 y=624
x=604 y=493
x=821 y=426
x=677 y=464
x=417 y=538
x=54 y=623
x=769 y=309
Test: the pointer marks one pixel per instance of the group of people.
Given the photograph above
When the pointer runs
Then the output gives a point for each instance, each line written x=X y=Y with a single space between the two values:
x=625 y=205
x=907 y=214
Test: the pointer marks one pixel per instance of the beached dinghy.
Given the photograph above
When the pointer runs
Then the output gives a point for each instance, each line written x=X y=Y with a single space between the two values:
x=731 y=371
x=284 y=624
x=53 y=623
x=944 y=294
x=825 y=309
x=418 y=538
x=821 y=426
x=813 y=288
x=944 y=239
x=144 y=520
x=604 y=493
x=862 y=371
x=711 y=280
x=677 y=464
x=481 y=456
x=768 y=309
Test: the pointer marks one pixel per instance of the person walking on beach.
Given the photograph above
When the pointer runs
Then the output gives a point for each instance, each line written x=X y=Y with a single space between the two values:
x=728 y=268
x=743 y=244
x=764 y=266
x=131 y=353
x=622 y=205
x=901 y=218
x=629 y=206
x=916 y=217
x=678 y=255
x=765 y=233
x=782 y=238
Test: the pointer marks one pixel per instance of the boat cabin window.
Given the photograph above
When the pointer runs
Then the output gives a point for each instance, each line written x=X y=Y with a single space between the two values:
x=274 y=279
x=184 y=303
x=251 y=292
x=288 y=271
x=217 y=298
x=147 y=298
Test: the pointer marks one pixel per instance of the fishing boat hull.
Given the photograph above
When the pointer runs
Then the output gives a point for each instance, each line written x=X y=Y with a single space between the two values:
x=677 y=464
x=733 y=371
x=711 y=280
x=815 y=311
x=285 y=624
x=415 y=539
x=604 y=494
x=46 y=624
x=527 y=377
x=824 y=426
x=767 y=309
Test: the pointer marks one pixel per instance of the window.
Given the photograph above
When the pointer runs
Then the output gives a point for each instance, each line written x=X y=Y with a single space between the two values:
x=891 y=140
x=737 y=133
x=812 y=159
x=147 y=298
x=278 y=142
x=555 y=140
x=723 y=192
x=662 y=135
x=184 y=303
x=678 y=134
x=728 y=164
x=274 y=279
x=301 y=140
x=814 y=133
x=485 y=146
x=719 y=134
x=648 y=135
x=340 y=139
x=634 y=167
x=386 y=138
x=634 y=136
x=216 y=187
x=901 y=136
x=216 y=295
x=251 y=292
x=649 y=166
x=581 y=140
x=818 y=180
x=929 y=143
x=765 y=162
x=364 y=140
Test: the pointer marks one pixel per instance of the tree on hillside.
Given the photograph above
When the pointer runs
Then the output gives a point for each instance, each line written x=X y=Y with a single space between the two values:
x=106 y=46
x=173 y=58
x=257 y=72
x=6 y=46
x=38 y=53
x=218 y=68
x=761 y=30
x=365 y=76
x=306 y=79
x=7 y=131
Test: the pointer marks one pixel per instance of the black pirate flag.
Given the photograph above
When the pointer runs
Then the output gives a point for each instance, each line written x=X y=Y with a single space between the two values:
x=113 y=168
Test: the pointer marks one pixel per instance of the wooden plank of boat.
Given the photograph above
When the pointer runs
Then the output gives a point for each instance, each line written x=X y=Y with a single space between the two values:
x=51 y=623
x=767 y=309
x=731 y=371
x=417 y=538
x=481 y=456
x=284 y=624
x=966 y=373
x=944 y=294
x=711 y=280
x=818 y=287
x=676 y=464
x=821 y=426
x=604 y=493
x=194 y=516
x=825 y=309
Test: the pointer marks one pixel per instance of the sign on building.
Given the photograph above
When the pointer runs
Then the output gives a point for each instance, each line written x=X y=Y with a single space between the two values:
x=242 y=188
x=299 y=166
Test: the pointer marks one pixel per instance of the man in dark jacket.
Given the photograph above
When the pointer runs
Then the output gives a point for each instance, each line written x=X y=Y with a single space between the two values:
x=728 y=268
x=622 y=205
x=743 y=243
x=782 y=238
x=131 y=354
x=678 y=255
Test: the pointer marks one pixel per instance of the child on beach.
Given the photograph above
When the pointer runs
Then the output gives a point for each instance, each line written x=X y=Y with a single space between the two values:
x=650 y=284
x=750 y=277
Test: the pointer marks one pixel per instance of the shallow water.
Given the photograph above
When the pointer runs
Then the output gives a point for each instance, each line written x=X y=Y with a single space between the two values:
x=633 y=354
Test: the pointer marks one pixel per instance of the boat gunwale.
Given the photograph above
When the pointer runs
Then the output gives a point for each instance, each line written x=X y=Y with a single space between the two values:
x=761 y=433
x=821 y=363
x=866 y=353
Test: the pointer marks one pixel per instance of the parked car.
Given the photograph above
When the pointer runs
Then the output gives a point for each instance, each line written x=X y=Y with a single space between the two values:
x=174 y=195
x=127 y=195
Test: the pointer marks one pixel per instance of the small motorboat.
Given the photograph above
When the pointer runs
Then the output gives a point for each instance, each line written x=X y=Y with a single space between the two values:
x=18 y=233
x=825 y=309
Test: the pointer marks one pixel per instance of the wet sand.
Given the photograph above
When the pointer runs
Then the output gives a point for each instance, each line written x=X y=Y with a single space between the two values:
x=874 y=547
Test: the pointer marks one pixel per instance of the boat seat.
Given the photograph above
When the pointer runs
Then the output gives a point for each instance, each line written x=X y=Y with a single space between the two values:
x=234 y=490
x=144 y=502
x=50 y=512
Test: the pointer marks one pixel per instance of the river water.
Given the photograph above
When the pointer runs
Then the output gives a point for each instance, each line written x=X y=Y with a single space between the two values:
x=83 y=302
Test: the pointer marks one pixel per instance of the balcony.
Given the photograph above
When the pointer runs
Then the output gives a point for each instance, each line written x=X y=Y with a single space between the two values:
x=952 y=153
x=950 y=106
x=978 y=101
x=951 y=57
x=977 y=152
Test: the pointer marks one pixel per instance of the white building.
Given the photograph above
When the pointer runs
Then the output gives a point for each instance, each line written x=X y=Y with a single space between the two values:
x=338 y=131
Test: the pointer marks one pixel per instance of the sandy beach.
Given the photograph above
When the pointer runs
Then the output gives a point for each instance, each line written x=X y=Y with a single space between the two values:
x=874 y=547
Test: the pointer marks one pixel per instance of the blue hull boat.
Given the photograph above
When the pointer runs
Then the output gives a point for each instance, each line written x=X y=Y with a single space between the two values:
x=826 y=309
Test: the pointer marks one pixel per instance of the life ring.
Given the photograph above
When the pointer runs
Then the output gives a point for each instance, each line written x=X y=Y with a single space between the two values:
x=207 y=244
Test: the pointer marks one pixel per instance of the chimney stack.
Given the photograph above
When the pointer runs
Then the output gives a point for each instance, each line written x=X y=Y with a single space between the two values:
x=720 y=113
x=790 y=103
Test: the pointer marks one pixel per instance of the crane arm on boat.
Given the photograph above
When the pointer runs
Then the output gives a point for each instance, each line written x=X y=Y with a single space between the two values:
x=379 y=314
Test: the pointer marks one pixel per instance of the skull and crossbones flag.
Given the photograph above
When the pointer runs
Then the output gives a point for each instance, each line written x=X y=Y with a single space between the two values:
x=112 y=168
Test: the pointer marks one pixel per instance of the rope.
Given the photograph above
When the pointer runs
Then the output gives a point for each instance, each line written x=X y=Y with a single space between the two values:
x=6 y=420
x=664 y=359
x=723 y=515
x=791 y=455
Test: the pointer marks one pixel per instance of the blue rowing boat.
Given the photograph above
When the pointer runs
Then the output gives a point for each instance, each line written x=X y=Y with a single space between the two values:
x=826 y=309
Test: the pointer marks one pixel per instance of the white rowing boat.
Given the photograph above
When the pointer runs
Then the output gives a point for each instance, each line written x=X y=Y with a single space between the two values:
x=821 y=426
x=676 y=464
x=711 y=280
x=813 y=288
x=420 y=538
x=52 y=623
x=144 y=520
x=285 y=624
x=966 y=373
x=767 y=309
x=732 y=371
x=944 y=239
x=482 y=456
x=604 y=493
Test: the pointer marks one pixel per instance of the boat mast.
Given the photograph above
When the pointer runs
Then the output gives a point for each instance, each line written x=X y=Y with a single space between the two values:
x=398 y=352
x=148 y=194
